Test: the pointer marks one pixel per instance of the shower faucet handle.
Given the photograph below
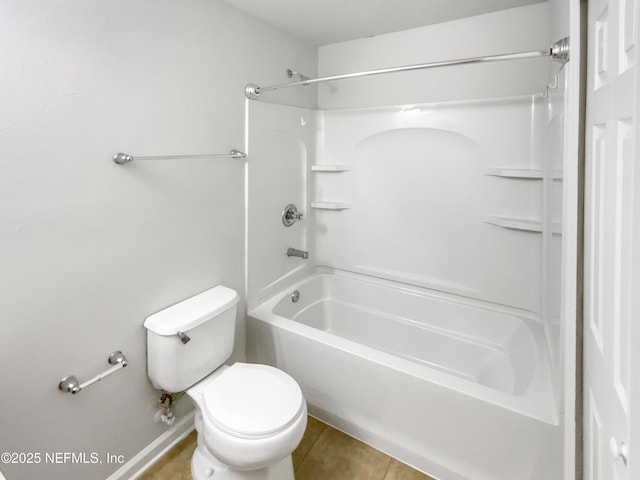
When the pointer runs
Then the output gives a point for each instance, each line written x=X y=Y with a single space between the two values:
x=290 y=214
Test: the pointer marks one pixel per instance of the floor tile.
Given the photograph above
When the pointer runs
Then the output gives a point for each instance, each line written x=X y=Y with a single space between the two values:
x=311 y=434
x=400 y=471
x=337 y=456
x=323 y=454
x=175 y=464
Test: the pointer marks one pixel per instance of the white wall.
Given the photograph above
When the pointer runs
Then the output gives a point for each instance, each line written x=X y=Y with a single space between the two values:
x=89 y=248
x=507 y=31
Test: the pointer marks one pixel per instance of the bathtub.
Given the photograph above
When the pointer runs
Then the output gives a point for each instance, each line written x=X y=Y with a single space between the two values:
x=455 y=387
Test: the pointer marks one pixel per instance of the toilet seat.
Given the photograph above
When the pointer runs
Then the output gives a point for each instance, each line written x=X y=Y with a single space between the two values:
x=252 y=401
x=229 y=428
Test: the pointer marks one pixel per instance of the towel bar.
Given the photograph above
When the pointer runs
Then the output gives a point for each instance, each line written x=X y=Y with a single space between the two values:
x=70 y=383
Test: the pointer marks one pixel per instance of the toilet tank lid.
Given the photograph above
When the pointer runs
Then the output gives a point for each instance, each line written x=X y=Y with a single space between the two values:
x=191 y=312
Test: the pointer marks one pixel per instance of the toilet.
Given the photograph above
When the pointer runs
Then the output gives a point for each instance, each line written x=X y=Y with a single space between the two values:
x=249 y=417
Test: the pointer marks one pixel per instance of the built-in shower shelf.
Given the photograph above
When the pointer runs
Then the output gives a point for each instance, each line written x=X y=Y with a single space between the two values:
x=514 y=173
x=532 y=173
x=525 y=224
x=325 y=205
x=336 y=167
x=515 y=223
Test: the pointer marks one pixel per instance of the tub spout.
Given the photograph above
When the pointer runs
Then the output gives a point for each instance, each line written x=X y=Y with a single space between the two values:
x=292 y=252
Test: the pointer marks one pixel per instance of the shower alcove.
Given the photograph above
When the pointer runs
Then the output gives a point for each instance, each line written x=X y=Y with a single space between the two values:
x=429 y=316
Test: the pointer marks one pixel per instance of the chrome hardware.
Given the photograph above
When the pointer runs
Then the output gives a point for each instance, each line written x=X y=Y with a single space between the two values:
x=295 y=296
x=184 y=338
x=252 y=91
x=292 y=73
x=559 y=51
x=618 y=451
x=70 y=383
x=290 y=214
x=292 y=252
x=122 y=158
x=117 y=358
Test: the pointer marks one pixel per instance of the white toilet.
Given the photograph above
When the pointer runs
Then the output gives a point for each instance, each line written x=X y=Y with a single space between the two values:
x=249 y=417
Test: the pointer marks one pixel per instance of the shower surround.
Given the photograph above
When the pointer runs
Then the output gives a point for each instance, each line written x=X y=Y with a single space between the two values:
x=426 y=294
x=429 y=319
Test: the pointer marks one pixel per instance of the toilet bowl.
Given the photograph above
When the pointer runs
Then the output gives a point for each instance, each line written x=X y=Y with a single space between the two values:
x=249 y=417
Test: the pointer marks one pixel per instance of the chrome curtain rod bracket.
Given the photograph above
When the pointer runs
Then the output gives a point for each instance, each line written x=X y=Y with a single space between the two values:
x=122 y=158
x=559 y=51
x=252 y=91
x=293 y=73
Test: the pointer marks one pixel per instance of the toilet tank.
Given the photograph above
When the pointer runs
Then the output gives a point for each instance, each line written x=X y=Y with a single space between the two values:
x=206 y=323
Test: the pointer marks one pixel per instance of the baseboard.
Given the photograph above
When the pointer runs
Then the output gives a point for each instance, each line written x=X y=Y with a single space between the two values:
x=156 y=449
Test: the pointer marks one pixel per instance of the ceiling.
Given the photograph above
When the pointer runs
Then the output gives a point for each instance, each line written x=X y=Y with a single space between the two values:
x=321 y=22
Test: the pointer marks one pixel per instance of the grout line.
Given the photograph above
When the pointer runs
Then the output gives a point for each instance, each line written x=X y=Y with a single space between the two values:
x=172 y=457
x=388 y=467
x=324 y=426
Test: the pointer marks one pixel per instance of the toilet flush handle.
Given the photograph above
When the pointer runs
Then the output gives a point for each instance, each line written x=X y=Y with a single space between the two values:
x=184 y=338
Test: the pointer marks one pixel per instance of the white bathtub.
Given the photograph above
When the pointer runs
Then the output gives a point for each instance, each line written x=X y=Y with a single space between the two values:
x=458 y=388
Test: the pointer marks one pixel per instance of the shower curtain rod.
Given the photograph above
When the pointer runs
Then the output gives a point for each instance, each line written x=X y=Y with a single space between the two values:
x=558 y=51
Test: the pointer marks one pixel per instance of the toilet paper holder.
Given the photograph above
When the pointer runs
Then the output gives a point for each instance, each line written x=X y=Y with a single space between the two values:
x=71 y=384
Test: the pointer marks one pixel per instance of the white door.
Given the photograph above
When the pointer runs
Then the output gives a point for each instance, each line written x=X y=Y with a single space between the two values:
x=612 y=260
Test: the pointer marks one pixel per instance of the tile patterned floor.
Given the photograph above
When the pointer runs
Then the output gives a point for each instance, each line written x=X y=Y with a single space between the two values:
x=175 y=464
x=323 y=454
